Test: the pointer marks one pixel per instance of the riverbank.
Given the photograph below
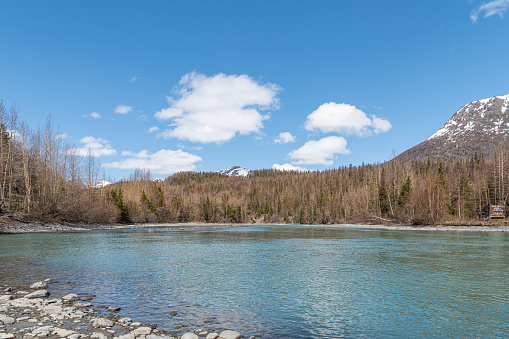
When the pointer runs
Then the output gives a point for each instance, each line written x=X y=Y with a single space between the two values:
x=35 y=314
x=17 y=228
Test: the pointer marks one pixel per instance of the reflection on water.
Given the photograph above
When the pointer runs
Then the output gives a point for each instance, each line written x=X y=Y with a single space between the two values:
x=277 y=281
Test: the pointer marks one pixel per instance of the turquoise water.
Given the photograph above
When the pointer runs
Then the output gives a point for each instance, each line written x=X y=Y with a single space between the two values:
x=281 y=281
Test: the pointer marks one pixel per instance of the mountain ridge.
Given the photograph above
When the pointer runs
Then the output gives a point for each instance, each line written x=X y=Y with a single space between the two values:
x=475 y=129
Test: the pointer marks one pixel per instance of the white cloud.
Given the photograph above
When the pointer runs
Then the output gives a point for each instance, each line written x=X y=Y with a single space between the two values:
x=123 y=109
x=216 y=108
x=284 y=138
x=62 y=136
x=289 y=167
x=161 y=162
x=319 y=152
x=153 y=129
x=496 y=7
x=345 y=119
x=97 y=146
x=94 y=115
x=133 y=79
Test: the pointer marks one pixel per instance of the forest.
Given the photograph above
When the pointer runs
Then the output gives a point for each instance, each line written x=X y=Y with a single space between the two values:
x=43 y=179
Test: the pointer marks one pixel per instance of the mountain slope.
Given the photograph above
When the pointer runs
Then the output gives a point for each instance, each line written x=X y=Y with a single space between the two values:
x=235 y=171
x=476 y=128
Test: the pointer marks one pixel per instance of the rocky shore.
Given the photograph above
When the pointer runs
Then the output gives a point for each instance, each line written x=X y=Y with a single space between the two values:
x=36 y=314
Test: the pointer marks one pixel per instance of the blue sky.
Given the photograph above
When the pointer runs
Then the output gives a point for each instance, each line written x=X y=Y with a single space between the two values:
x=204 y=85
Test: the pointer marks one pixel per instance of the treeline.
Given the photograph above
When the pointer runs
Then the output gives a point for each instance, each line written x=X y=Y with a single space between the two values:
x=43 y=179
x=430 y=192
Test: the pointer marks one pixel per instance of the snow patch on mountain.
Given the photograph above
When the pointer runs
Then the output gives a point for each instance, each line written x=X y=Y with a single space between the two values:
x=101 y=184
x=235 y=171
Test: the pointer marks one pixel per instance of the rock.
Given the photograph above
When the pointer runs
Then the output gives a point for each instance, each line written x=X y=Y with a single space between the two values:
x=7 y=336
x=212 y=336
x=38 y=285
x=142 y=331
x=8 y=289
x=173 y=313
x=71 y=297
x=82 y=304
x=43 y=331
x=20 y=319
x=6 y=297
x=189 y=335
x=37 y=294
x=113 y=309
x=49 y=281
x=98 y=335
x=136 y=324
x=74 y=336
x=127 y=336
x=125 y=321
x=63 y=333
x=200 y=332
x=229 y=335
x=22 y=293
x=5 y=320
x=52 y=309
x=102 y=322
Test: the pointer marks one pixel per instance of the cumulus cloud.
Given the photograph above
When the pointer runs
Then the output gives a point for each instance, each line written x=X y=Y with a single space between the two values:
x=215 y=108
x=153 y=129
x=289 y=167
x=123 y=109
x=319 y=152
x=97 y=146
x=161 y=162
x=496 y=7
x=62 y=136
x=284 y=138
x=93 y=115
x=345 y=119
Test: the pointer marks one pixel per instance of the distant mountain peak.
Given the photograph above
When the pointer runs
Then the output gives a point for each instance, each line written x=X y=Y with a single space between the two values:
x=235 y=171
x=475 y=128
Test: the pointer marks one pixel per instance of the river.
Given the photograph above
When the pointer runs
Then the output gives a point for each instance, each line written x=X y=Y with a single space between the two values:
x=280 y=281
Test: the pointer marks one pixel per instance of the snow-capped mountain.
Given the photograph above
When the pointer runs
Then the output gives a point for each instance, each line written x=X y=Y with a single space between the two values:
x=101 y=184
x=235 y=171
x=157 y=179
x=476 y=128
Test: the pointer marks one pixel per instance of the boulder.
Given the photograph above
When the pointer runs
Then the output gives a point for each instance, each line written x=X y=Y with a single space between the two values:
x=228 y=334
x=189 y=335
x=38 y=285
x=102 y=322
x=37 y=294
x=212 y=336
x=5 y=320
x=142 y=331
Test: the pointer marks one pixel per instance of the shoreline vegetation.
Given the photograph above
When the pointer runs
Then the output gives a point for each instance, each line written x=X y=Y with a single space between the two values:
x=45 y=181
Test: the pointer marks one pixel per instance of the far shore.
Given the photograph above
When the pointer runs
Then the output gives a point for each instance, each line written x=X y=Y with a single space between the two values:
x=18 y=227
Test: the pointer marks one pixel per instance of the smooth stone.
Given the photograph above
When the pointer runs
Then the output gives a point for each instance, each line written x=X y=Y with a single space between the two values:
x=113 y=309
x=212 y=336
x=125 y=321
x=98 y=335
x=37 y=294
x=6 y=297
x=22 y=293
x=7 y=336
x=22 y=319
x=127 y=336
x=8 y=289
x=5 y=320
x=228 y=334
x=38 y=285
x=173 y=313
x=189 y=335
x=82 y=304
x=71 y=297
x=136 y=324
x=102 y=322
x=3 y=309
x=142 y=331
x=63 y=333
x=74 y=336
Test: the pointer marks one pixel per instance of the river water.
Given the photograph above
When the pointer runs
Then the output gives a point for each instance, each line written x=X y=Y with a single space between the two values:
x=280 y=281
